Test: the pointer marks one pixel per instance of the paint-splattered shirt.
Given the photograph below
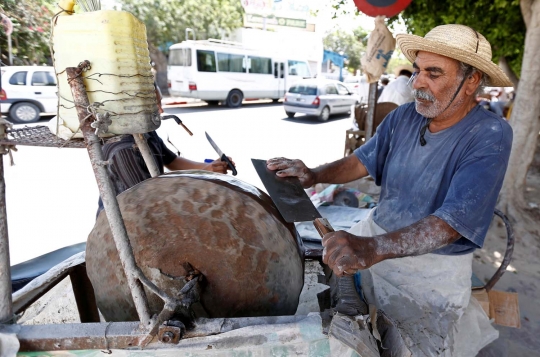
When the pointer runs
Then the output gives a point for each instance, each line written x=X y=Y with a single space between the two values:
x=456 y=176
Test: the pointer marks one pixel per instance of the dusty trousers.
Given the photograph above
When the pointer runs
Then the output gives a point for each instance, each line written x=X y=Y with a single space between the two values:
x=429 y=299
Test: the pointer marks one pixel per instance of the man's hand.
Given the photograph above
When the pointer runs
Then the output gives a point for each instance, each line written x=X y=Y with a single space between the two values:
x=219 y=166
x=345 y=253
x=294 y=168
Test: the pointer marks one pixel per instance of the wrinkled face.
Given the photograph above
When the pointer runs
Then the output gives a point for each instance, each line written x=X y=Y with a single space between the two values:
x=434 y=83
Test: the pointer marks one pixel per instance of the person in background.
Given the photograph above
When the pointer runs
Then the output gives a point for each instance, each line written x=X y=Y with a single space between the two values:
x=382 y=84
x=127 y=168
x=397 y=91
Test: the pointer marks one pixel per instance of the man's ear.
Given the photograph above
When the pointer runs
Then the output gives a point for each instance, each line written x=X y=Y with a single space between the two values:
x=472 y=82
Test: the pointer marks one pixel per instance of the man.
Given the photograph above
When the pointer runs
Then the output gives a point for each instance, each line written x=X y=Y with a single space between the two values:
x=398 y=91
x=382 y=84
x=127 y=167
x=440 y=162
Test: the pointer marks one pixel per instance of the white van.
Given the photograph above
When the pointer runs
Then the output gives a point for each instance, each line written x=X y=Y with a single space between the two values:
x=215 y=70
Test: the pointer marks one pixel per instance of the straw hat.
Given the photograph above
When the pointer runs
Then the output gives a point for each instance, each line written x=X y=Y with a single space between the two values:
x=407 y=67
x=458 y=42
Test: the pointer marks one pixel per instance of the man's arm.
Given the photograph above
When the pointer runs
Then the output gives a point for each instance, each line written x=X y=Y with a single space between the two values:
x=180 y=163
x=341 y=171
x=345 y=253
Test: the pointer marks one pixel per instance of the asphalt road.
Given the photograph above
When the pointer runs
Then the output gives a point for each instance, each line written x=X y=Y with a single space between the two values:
x=52 y=194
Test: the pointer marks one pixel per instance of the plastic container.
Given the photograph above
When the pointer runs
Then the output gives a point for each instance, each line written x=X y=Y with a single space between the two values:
x=120 y=77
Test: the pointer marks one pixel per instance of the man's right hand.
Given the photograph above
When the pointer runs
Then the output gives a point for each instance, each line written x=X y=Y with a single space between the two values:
x=294 y=168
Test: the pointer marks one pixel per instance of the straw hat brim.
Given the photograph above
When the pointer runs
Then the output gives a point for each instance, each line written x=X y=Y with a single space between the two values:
x=411 y=44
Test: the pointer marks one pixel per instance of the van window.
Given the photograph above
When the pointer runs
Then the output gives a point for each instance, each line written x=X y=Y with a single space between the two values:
x=231 y=63
x=18 y=79
x=206 y=61
x=43 y=78
x=180 y=57
x=299 y=68
x=303 y=89
x=260 y=65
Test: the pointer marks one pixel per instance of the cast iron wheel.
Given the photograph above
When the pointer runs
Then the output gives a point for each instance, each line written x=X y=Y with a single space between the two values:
x=24 y=113
x=234 y=99
x=290 y=114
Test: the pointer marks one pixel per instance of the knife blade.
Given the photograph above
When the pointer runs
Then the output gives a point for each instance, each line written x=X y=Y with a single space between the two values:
x=221 y=154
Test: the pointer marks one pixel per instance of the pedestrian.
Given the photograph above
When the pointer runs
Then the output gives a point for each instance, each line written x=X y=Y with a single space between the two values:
x=382 y=84
x=398 y=91
x=440 y=162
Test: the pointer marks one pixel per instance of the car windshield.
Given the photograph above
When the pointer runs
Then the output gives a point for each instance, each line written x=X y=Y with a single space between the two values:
x=305 y=89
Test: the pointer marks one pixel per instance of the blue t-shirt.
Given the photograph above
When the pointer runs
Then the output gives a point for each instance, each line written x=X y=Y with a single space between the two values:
x=456 y=176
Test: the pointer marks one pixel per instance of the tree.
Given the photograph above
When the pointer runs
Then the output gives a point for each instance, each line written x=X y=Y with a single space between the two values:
x=350 y=44
x=31 y=30
x=166 y=22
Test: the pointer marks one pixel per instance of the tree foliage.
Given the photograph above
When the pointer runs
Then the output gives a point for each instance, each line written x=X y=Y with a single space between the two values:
x=500 y=21
x=350 y=44
x=31 y=28
x=166 y=21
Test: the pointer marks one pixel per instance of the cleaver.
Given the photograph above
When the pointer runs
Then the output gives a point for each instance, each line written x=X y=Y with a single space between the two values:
x=294 y=205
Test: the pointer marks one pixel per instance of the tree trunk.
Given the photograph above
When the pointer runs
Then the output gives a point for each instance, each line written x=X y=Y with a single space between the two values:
x=525 y=120
x=508 y=71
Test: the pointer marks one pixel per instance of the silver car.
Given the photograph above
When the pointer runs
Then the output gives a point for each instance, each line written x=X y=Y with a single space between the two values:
x=318 y=97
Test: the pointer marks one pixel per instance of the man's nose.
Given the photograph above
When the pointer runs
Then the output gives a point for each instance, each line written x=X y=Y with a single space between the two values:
x=419 y=81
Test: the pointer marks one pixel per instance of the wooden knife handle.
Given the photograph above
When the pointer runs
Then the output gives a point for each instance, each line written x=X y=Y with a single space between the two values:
x=322 y=226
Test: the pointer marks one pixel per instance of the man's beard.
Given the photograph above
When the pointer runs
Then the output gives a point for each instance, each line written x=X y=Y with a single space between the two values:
x=434 y=107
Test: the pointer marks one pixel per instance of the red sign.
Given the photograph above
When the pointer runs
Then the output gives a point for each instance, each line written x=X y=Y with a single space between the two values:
x=386 y=8
x=6 y=24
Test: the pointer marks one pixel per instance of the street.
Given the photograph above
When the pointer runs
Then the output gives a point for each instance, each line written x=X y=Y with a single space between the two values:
x=52 y=195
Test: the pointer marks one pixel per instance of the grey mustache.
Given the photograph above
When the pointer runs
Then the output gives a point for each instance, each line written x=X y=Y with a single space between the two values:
x=419 y=94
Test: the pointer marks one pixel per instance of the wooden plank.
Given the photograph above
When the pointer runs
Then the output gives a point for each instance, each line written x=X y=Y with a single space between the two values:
x=504 y=308
x=482 y=297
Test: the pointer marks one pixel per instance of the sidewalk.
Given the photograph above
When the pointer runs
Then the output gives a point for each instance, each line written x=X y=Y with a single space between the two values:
x=178 y=100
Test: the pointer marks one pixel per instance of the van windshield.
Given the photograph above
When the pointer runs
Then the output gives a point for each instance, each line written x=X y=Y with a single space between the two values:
x=303 y=89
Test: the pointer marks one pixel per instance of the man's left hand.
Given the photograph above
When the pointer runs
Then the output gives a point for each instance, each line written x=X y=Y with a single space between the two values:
x=346 y=253
x=219 y=166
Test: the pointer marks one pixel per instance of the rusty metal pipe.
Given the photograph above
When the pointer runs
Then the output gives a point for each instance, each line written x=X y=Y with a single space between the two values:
x=6 y=304
x=108 y=195
x=142 y=144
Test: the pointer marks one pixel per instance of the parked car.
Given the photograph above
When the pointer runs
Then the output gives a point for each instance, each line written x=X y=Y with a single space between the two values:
x=318 y=97
x=358 y=85
x=28 y=91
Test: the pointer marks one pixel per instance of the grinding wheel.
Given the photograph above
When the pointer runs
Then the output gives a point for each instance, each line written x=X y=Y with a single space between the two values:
x=228 y=230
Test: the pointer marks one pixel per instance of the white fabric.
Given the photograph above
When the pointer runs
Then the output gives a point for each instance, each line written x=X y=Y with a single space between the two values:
x=427 y=297
x=397 y=92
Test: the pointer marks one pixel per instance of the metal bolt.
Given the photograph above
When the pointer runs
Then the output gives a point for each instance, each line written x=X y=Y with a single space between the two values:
x=167 y=337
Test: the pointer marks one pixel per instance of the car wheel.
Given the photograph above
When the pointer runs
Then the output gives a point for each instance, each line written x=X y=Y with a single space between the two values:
x=290 y=114
x=235 y=98
x=24 y=112
x=325 y=114
x=275 y=100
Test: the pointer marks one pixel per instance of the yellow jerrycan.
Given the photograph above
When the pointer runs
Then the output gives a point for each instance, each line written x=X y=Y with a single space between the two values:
x=119 y=81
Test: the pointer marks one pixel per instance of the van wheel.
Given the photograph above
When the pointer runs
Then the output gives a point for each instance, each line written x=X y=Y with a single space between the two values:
x=24 y=113
x=325 y=114
x=290 y=114
x=235 y=98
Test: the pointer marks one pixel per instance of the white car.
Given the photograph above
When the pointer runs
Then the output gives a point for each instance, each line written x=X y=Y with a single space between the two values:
x=358 y=85
x=28 y=91
x=320 y=97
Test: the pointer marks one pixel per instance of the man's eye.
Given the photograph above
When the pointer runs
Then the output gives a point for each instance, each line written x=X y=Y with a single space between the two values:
x=434 y=76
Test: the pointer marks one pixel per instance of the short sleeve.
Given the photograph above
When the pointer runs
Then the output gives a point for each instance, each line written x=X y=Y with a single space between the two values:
x=168 y=155
x=474 y=189
x=373 y=153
